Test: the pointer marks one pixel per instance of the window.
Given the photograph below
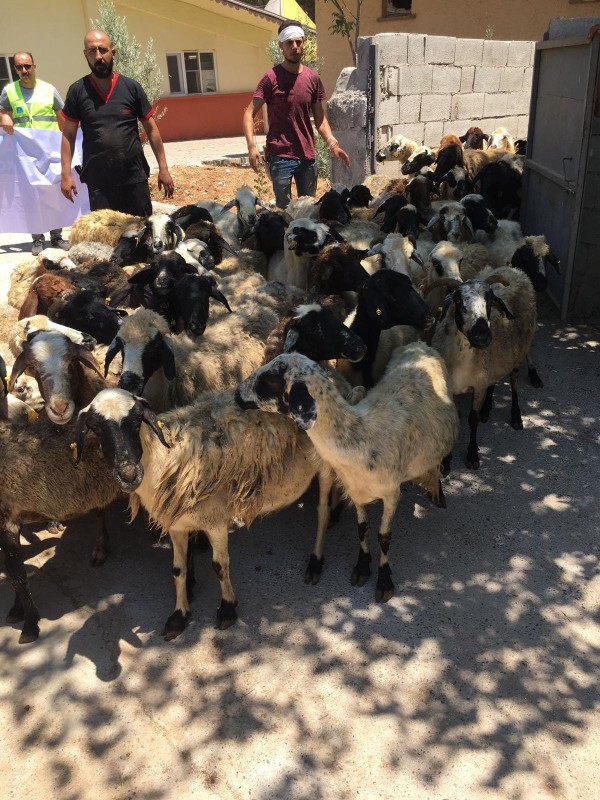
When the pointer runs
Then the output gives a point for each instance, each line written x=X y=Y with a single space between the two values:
x=191 y=72
x=397 y=8
x=7 y=71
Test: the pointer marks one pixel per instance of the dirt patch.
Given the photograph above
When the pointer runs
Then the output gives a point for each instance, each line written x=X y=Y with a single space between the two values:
x=193 y=184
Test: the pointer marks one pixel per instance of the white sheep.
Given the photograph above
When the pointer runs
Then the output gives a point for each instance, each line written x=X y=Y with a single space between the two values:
x=400 y=255
x=500 y=139
x=399 y=432
x=399 y=148
x=106 y=226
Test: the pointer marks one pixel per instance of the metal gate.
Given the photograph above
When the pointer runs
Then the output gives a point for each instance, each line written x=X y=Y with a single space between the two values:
x=562 y=112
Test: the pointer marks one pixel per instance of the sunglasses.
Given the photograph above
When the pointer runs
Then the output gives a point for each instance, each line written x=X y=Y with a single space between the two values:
x=20 y=67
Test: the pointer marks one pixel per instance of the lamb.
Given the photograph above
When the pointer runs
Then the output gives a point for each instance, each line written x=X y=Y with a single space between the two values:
x=418 y=192
x=474 y=139
x=499 y=342
x=399 y=432
x=450 y=155
x=215 y=465
x=501 y=139
x=422 y=157
x=399 y=147
x=457 y=184
x=233 y=227
x=39 y=480
x=450 y=221
x=480 y=216
x=398 y=252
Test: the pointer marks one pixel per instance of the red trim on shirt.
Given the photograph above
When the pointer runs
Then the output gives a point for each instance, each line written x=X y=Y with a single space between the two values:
x=105 y=97
x=71 y=119
x=150 y=113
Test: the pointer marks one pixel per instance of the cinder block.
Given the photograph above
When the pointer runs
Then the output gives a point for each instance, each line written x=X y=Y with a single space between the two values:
x=469 y=53
x=518 y=103
x=528 y=79
x=511 y=79
x=440 y=49
x=433 y=133
x=410 y=108
x=415 y=79
x=457 y=126
x=519 y=54
x=510 y=123
x=391 y=80
x=435 y=107
x=487 y=79
x=347 y=110
x=531 y=53
x=468 y=106
x=364 y=47
x=414 y=131
x=353 y=142
x=446 y=79
x=522 y=127
x=495 y=105
x=389 y=111
x=416 y=49
x=495 y=54
x=466 y=79
x=393 y=48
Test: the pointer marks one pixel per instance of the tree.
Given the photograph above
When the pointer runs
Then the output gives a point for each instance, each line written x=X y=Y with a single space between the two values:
x=129 y=59
x=346 y=22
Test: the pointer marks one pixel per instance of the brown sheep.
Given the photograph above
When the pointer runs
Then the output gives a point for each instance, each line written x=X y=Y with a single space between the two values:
x=43 y=292
x=450 y=155
x=474 y=138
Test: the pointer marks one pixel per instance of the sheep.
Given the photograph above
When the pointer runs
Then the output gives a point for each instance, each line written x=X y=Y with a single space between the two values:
x=521 y=147
x=208 y=233
x=444 y=262
x=418 y=193
x=499 y=183
x=84 y=312
x=196 y=253
x=500 y=139
x=499 y=342
x=390 y=209
x=304 y=240
x=303 y=207
x=189 y=303
x=85 y=253
x=150 y=286
x=106 y=226
x=450 y=221
x=475 y=160
x=474 y=139
x=399 y=147
x=457 y=184
x=189 y=214
x=422 y=157
x=337 y=269
x=268 y=233
x=232 y=226
x=333 y=208
x=215 y=465
x=40 y=480
x=360 y=233
x=480 y=216
x=398 y=252
x=449 y=155
x=359 y=196
x=154 y=234
x=399 y=432
x=23 y=275
x=11 y=408
x=43 y=292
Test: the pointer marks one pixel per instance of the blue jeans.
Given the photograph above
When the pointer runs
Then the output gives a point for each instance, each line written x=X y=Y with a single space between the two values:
x=302 y=170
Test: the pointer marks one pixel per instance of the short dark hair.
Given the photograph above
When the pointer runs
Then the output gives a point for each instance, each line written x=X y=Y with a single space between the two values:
x=287 y=25
x=23 y=52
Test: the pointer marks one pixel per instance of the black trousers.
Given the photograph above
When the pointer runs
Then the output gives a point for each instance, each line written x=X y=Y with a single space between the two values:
x=133 y=198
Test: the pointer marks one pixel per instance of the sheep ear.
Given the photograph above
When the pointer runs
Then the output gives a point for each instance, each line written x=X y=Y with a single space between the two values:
x=30 y=305
x=114 y=347
x=302 y=405
x=486 y=136
x=141 y=278
x=86 y=358
x=500 y=305
x=463 y=139
x=229 y=205
x=217 y=295
x=168 y=361
x=80 y=431
x=434 y=225
x=417 y=258
x=291 y=340
x=319 y=200
x=375 y=250
x=18 y=368
x=153 y=422
x=467 y=230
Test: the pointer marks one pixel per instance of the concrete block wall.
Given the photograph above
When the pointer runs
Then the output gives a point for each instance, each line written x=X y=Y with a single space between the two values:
x=432 y=85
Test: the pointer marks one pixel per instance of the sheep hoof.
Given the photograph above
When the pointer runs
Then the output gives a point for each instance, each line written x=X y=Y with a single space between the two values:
x=516 y=424
x=439 y=499
x=385 y=585
x=472 y=462
x=30 y=632
x=175 y=625
x=314 y=569
x=226 y=615
x=446 y=466
x=362 y=570
x=534 y=379
x=98 y=557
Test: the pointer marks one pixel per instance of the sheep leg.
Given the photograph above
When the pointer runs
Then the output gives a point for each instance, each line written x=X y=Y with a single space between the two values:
x=472 y=459
x=433 y=487
x=100 y=550
x=179 y=618
x=190 y=580
x=219 y=540
x=384 y=589
x=533 y=374
x=336 y=505
x=316 y=560
x=486 y=408
x=23 y=608
x=516 y=421
x=362 y=569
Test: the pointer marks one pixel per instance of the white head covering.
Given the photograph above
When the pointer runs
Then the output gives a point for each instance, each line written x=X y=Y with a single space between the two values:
x=291 y=32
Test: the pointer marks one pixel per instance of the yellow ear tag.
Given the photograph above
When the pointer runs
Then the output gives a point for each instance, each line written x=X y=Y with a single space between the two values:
x=107 y=300
x=379 y=312
x=31 y=415
x=73 y=446
x=160 y=424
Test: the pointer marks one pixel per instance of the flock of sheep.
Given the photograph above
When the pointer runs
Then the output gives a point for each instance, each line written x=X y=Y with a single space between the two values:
x=340 y=332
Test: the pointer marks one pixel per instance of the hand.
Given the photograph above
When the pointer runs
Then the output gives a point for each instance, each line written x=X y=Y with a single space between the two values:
x=68 y=188
x=165 y=182
x=255 y=157
x=340 y=154
x=6 y=124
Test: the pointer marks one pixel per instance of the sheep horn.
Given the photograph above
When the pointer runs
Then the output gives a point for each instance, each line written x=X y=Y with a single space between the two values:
x=217 y=295
x=553 y=261
x=291 y=340
x=80 y=432
x=152 y=421
x=417 y=258
x=115 y=346
x=451 y=283
x=18 y=369
x=497 y=279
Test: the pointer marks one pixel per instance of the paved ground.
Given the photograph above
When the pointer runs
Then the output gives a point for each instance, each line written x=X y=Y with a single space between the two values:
x=478 y=680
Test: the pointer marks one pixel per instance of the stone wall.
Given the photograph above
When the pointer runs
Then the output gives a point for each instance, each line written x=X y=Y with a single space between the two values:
x=427 y=86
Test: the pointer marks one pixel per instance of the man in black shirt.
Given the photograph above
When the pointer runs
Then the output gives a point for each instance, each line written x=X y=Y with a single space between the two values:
x=108 y=107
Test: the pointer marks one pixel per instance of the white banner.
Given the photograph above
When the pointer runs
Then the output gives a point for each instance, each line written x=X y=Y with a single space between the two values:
x=30 y=196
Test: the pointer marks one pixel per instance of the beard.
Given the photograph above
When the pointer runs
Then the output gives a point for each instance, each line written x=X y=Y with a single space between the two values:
x=102 y=69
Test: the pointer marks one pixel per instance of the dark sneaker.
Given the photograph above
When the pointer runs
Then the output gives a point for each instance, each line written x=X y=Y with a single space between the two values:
x=37 y=247
x=64 y=245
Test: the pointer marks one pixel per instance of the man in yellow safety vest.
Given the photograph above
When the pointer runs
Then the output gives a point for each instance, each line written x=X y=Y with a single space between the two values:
x=31 y=103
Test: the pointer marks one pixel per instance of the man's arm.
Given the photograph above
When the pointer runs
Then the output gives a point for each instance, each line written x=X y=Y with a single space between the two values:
x=248 y=124
x=6 y=120
x=67 y=147
x=165 y=181
x=324 y=128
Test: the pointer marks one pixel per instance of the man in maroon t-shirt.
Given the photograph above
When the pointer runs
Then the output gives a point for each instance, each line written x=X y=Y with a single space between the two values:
x=291 y=91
